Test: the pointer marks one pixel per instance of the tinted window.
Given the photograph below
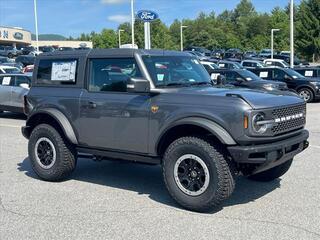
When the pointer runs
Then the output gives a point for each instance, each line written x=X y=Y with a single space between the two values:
x=278 y=74
x=166 y=70
x=21 y=79
x=112 y=74
x=247 y=64
x=231 y=76
x=57 y=71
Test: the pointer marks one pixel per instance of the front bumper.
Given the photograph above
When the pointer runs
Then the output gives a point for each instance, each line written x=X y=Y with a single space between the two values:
x=267 y=156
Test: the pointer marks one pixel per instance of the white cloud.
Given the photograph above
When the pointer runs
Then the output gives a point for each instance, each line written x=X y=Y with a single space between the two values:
x=119 y=18
x=114 y=1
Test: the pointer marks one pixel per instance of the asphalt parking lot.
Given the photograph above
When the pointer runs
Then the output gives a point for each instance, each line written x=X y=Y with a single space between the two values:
x=122 y=200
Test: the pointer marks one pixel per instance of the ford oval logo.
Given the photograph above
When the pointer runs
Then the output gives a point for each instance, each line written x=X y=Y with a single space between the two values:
x=147 y=15
x=18 y=35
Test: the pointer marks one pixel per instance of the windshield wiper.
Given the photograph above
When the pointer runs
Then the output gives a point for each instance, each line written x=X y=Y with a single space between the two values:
x=201 y=83
x=173 y=84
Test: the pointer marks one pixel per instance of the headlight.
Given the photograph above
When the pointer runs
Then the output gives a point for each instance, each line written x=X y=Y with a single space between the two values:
x=317 y=84
x=259 y=125
x=269 y=87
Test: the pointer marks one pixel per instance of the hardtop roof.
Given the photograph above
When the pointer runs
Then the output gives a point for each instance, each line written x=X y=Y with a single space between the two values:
x=114 y=52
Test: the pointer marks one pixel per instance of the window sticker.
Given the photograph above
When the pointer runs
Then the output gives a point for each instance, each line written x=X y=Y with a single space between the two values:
x=214 y=76
x=6 y=81
x=160 y=77
x=64 y=71
x=263 y=74
x=308 y=73
x=221 y=64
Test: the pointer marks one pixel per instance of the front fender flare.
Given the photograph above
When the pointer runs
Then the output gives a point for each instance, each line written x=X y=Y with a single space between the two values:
x=61 y=119
x=213 y=127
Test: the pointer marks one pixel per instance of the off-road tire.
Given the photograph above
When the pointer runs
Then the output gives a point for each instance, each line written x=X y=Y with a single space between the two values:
x=66 y=156
x=222 y=178
x=272 y=173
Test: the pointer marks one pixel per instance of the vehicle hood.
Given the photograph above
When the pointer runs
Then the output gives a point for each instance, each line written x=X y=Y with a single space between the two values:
x=257 y=99
x=279 y=85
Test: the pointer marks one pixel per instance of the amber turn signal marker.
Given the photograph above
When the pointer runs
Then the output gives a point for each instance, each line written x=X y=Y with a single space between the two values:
x=245 y=122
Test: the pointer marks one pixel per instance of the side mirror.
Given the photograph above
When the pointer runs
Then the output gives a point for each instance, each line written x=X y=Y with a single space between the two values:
x=239 y=80
x=24 y=85
x=286 y=77
x=221 y=80
x=138 y=85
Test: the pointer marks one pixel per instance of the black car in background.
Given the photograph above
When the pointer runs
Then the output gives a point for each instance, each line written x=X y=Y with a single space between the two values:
x=25 y=60
x=307 y=88
x=28 y=50
x=217 y=53
x=247 y=79
x=310 y=72
x=46 y=49
x=233 y=53
x=249 y=64
x=202 y=50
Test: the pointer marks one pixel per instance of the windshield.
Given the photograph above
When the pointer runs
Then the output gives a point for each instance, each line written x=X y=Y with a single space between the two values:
x=293 y=73
x=249 y=76
x=285 y=64
x=176 y=70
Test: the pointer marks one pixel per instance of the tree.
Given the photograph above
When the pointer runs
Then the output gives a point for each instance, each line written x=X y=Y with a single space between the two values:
x=308 y=29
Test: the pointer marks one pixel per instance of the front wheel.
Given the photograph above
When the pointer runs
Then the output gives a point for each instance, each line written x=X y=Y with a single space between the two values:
x=306 y=94
x=197 y=174
x=51 y=156
x=272 y=173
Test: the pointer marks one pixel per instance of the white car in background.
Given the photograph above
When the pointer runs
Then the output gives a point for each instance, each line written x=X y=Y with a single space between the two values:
x=9 y=69
x=276 y=63
x=209 y=65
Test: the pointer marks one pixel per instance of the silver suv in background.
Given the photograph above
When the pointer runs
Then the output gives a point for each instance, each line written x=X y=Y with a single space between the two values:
x=13 y=88
x=8 y=51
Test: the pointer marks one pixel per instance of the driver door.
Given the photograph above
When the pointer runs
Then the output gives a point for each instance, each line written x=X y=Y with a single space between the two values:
x=110 y=117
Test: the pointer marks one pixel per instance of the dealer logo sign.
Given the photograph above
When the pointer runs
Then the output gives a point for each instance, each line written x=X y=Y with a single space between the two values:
x=18 y=35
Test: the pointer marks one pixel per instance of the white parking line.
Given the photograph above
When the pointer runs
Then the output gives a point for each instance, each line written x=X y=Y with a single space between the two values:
x=8 y=125
x=315 y=146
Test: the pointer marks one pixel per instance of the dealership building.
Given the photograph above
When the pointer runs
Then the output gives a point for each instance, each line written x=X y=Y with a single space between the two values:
x=18 y=37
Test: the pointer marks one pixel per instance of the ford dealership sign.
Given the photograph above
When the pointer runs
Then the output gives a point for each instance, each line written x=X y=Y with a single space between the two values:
x=147 y=15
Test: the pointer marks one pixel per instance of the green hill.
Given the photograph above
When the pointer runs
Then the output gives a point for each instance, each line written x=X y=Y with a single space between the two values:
x=49 y=37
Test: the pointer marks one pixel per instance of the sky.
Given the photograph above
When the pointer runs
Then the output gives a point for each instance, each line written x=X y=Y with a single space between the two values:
x=73 y=17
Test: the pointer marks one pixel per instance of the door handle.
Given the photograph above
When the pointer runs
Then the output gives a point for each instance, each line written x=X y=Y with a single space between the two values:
x=92 y=104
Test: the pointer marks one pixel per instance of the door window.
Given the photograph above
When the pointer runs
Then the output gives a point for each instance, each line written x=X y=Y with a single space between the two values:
x=112 y=74
x=231 y=77
x=20 y=79
x=278 y=74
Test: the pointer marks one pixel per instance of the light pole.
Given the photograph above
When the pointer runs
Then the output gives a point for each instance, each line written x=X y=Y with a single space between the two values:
x=181 y=36
x=272 y=31
x=36 y=23
x=119 y=35
x=132 y=23
x=291 y=36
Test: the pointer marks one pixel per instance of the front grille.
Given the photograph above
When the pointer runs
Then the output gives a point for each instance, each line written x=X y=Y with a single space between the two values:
x=288 y=125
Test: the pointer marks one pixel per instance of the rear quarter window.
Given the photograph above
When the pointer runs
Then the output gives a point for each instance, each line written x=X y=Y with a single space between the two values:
x=57 y=71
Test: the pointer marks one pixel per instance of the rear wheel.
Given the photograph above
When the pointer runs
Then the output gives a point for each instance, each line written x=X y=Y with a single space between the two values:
x=10 y=55
x=306 y=94
x=51 y=156
x=197 y=174
x=272 y=173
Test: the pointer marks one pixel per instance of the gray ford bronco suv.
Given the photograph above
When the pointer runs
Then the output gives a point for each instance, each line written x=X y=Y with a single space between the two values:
x=158 y=107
